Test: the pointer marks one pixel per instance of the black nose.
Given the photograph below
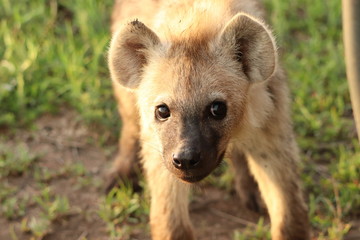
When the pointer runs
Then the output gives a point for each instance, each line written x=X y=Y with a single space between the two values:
x=186 y=160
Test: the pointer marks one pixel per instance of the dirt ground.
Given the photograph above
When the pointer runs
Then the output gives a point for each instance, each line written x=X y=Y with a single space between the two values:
x=63 y=140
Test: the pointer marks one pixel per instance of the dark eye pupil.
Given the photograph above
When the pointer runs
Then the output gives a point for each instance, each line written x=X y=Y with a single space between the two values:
x=162 y=112
x=218 y=110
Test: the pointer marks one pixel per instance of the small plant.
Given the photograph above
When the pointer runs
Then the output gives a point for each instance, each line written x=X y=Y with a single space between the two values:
x=53 y=206
x=76 y=169
x=122 y=208
x=337 y=230
x=45 y=175
x=38 y=227
x=15 y=160
x=6 y=190
x=13 y=207
x=260 y=231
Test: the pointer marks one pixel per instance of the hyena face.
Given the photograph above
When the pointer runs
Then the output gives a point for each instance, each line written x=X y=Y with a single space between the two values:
x=194 y=107
x=192 y=92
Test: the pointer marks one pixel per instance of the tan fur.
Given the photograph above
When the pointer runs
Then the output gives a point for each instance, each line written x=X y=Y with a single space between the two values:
x=188 y=54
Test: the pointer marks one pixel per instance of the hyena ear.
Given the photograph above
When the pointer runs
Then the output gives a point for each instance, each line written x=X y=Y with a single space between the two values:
x=129 y=53
x=252 y=45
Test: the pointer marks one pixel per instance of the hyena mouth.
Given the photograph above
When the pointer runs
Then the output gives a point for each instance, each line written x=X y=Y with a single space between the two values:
x=196 y=178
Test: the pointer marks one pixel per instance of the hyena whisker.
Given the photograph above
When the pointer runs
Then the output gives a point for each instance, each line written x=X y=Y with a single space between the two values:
x=153 y=146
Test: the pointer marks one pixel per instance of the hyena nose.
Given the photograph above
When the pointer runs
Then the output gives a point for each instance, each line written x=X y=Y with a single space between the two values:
x=186 y=160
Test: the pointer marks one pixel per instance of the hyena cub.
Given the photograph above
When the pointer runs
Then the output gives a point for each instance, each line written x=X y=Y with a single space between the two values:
x=195 y=80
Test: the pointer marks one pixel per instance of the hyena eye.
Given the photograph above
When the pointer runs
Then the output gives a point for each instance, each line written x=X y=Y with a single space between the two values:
x=218 y=110
x=162 y=112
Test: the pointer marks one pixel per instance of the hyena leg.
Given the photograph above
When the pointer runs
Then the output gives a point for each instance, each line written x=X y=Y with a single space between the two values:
x=275 y=171
x=245 y=185
x=126 y=165
x=169 y=214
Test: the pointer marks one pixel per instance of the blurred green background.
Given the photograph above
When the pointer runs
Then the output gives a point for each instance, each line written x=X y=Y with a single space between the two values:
x=54 y=53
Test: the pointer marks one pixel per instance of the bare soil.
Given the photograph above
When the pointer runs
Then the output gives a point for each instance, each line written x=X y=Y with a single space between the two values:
x=62 y=140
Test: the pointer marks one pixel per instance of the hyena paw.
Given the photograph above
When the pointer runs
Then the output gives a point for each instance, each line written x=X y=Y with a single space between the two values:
x=255 y=203
x=180 y=233
x=117 y=179
x=251 y=199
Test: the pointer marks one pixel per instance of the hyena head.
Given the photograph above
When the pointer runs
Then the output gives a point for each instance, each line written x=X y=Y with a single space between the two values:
x=193 y=90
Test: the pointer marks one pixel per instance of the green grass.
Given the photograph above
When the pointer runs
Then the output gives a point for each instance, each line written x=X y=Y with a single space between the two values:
x=123 y=210
x=52 y=207
x=258 y=232
x=53 y=54
x=14 y=163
